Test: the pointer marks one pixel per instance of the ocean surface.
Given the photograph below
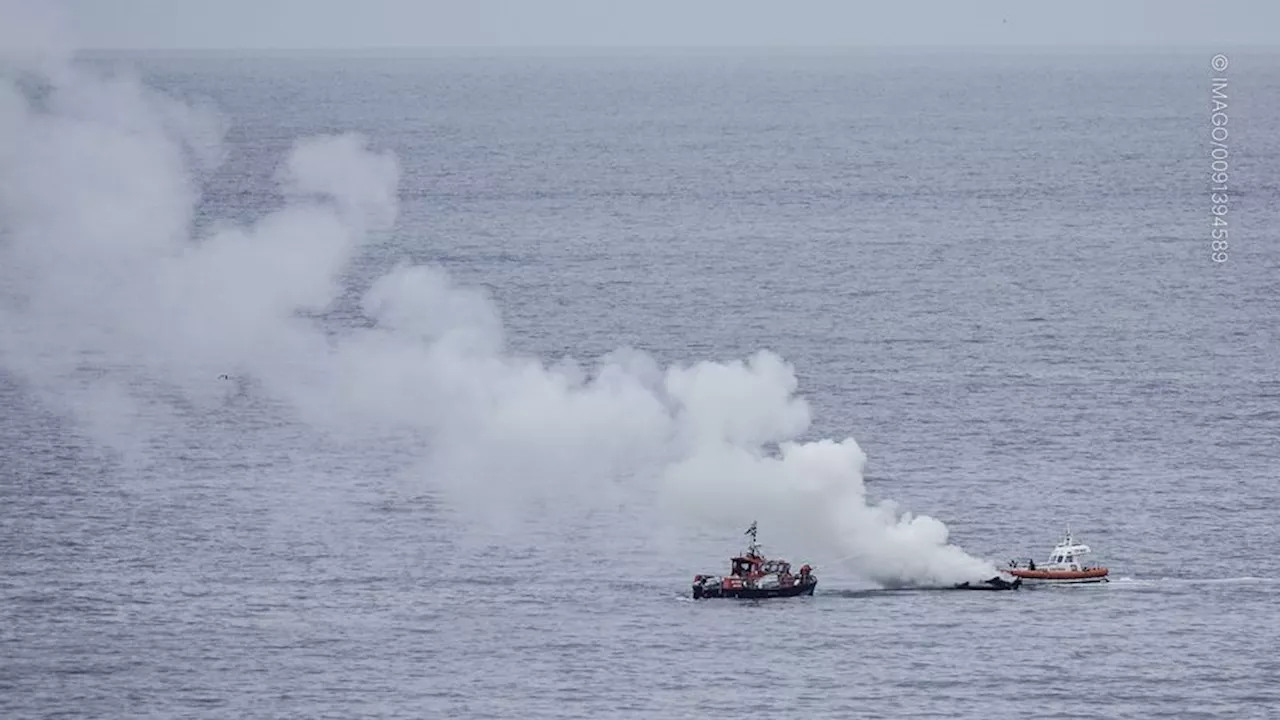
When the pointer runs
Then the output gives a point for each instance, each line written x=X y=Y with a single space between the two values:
x=992 y=271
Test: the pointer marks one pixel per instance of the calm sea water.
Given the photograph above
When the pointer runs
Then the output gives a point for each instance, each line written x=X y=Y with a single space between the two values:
x=994 y=272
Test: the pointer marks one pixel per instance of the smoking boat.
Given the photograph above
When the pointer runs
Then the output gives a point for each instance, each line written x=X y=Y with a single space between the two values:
x=1064 y=567
x=995 y=583
x=752 y=576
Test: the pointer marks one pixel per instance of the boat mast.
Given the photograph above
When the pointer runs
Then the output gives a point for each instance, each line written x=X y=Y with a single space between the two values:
x=753 y=548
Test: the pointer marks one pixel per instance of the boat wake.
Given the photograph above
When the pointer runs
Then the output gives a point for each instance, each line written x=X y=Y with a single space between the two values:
x=1179 y=585
x=1243 y=580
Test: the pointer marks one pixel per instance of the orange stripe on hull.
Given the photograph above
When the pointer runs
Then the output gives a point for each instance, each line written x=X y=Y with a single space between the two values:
x=1058 y=574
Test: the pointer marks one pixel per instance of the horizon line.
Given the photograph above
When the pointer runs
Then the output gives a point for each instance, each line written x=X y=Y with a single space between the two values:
x=634 y=49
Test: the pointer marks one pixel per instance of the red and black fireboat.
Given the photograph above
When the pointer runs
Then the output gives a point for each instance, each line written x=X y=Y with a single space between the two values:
x=752 y=576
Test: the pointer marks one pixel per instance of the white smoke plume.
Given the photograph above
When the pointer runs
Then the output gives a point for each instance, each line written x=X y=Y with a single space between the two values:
x=112 y=310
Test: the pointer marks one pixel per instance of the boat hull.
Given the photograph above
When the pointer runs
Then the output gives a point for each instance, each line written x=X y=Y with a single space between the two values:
x=752 y=593
x=1061 y=577
x=1065 y=581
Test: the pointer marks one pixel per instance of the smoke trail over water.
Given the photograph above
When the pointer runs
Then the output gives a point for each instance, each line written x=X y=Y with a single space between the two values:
x=110 y=309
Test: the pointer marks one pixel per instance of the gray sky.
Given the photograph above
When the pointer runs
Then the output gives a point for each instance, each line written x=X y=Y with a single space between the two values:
x=189 y=24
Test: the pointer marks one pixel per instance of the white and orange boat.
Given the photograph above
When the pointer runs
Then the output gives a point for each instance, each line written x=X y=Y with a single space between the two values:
x=1065 y=566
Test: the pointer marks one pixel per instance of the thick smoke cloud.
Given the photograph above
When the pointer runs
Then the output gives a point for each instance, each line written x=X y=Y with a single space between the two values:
x=114 y=311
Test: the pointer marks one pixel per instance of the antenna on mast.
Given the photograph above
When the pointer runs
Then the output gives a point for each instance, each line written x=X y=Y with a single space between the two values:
x=753 y=548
